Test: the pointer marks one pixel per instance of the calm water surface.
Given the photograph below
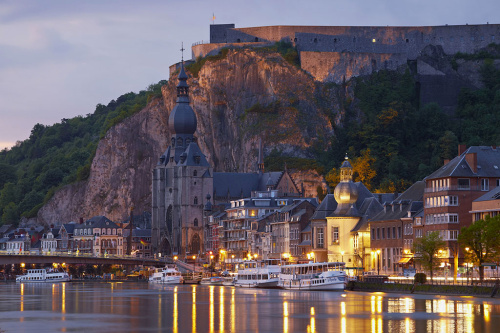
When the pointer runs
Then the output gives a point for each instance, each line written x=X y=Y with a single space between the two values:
x=139 y=307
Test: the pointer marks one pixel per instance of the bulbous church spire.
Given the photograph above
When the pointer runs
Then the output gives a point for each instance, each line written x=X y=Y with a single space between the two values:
x=182 y=120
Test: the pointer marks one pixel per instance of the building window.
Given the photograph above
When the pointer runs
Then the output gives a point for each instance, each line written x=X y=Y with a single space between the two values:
x=320 y=238
x=388 y=233
x=373 y=233
x=463 y=184
x=383 y=233
x=399 y=232
x=195 y=222
x=453 y=200
x=393 y=232
x=195 y=200
x=335 y=235
x=485 y=184
x=195 y=173
x=378 y=233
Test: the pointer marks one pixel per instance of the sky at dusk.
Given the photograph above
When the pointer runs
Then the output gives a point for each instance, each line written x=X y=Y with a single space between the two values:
x=60 y=58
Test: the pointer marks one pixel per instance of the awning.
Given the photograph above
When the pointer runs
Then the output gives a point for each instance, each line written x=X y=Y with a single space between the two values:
x=404 y=260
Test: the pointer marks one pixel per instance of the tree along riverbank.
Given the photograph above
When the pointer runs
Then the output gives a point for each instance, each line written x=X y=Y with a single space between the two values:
x=472 y=290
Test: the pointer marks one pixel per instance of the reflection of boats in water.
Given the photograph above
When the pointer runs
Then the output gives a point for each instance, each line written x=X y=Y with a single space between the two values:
x=168 y=275
x=313 y=276
x=213 y=281
x=258 y=274
x=42 y=275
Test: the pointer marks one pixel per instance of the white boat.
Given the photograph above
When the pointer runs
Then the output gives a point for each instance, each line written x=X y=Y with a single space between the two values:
x=313 y=276
x=167 y=275
x=228 y=281
x=258 y=274
x=213 y=281
x=42 y=275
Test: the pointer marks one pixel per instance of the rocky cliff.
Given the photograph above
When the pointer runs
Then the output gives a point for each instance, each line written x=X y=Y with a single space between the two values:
x=238 y=99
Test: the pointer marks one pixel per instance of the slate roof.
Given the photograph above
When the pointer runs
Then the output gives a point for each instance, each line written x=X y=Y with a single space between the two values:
x=237 y=184
x=241 y=184
x=70 y=227
x=191 y=153
x=488 y=162
x=410 y=200
x=4 y=228
x=494 y=194
x=137 y=233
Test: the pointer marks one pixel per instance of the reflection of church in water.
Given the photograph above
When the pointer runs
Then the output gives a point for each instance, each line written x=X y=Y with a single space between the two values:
x=183 y=179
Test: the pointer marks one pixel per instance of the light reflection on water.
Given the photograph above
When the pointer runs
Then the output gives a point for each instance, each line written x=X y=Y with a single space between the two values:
x=132 y=307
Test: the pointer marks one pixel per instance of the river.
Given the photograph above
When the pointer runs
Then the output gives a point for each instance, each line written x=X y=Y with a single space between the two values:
x=139 y=307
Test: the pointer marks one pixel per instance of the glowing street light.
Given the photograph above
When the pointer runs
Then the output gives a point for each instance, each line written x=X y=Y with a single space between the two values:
x=378 y=262
x=342 y=254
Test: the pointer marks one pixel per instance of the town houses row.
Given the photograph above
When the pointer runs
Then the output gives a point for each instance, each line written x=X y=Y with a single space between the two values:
x=97 y=236
x=367 y=231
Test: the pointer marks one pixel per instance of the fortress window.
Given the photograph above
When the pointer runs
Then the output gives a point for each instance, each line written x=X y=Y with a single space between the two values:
x=195 y=222
x=407 y=40
x=238 y=41
x=335 y=40
x=195 y=173
x=179 y=142
x=195 y=200
x=295 y=39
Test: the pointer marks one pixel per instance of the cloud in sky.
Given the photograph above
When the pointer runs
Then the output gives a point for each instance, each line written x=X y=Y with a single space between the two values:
x=60 y=58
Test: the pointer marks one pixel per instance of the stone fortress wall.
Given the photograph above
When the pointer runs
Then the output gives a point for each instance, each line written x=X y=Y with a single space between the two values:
x=332 y=53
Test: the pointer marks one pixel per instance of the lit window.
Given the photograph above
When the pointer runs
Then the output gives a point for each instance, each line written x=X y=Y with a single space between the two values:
x=374 y=40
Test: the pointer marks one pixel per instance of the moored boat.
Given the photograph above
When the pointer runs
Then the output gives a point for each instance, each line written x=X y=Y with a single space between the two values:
x=213 y=281
x=313 y=276
x=258 y=274
x=43 y=275
x=167 y=275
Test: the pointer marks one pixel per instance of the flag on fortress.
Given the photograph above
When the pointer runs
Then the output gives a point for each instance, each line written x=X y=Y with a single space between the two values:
x=143 y=242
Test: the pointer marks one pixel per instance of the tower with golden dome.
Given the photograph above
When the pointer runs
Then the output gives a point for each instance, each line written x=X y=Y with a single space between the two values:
x=340 y=224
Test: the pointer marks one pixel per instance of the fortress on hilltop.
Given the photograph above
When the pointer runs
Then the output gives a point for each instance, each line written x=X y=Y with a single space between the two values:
x=331 y=54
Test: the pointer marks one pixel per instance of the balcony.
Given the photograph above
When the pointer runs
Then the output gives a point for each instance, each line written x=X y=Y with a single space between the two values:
x=452 y=188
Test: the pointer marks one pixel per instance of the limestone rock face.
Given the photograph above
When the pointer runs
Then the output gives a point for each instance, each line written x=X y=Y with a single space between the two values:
x=237 y=100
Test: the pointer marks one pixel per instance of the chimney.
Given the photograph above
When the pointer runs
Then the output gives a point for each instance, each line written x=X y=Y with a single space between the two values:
x=461 y=149
x=81 y=220
x=494 y=147
x=471 y=159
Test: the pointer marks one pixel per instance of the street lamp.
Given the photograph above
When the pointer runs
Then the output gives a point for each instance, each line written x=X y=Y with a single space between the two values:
x=378 y=262
x=342 y=253
x=467 y=250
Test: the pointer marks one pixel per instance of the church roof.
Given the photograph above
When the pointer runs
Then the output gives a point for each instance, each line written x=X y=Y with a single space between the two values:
x=235 y=184
x=193 y=156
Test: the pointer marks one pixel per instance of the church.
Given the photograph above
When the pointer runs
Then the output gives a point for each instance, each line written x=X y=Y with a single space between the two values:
x=183 y=179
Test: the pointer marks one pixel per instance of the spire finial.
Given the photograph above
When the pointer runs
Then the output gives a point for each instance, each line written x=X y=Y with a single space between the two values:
x=346 y=158
x=182 y=52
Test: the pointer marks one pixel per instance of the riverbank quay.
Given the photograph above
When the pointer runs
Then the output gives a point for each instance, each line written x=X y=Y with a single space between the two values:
x=432 y=289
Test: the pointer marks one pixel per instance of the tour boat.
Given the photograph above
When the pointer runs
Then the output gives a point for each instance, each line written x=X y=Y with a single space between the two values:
x=167 y=275
x=258 y=274
x=228 y=281
x=42 y=275
x=213 y=281
x=313 y=276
